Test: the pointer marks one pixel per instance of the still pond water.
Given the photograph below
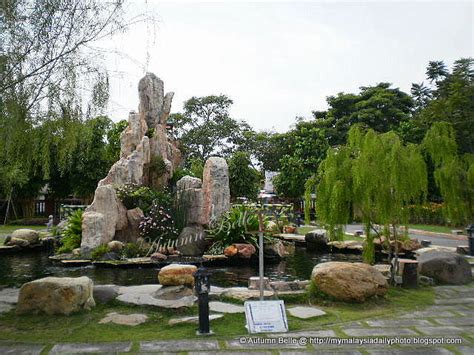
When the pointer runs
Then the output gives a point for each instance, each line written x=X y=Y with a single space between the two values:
x=18 y=269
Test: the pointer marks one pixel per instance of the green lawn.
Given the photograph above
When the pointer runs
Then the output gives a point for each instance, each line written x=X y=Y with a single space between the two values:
x=8 y=229
x=433 y=228
x=84 y=326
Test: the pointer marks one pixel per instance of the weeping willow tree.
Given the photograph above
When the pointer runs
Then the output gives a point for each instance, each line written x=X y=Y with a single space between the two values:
x=454 y=175
x=375 y=174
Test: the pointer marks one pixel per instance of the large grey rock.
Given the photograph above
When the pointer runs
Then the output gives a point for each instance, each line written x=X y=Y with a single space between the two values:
x=105 y=293
x=349 y=281
x=29 y=235
x=317 y=239
x=56 y=295
x=222 y=307
x=216 y=191
x=275 y=250
x=132 y=232
x=445 y=267
x=102 y=219
x=190 y=200
x=192 y=241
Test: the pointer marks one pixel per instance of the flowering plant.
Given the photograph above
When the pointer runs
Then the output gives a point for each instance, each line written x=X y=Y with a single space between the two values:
x=158 y=224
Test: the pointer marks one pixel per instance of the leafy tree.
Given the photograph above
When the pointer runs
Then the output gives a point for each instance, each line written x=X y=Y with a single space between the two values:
x=308 y=148
x=376 y=174
x=452 y=173
x=379 y=107
x=452 y=101
x=113 y=139
x=244 y=180
x=205 y=128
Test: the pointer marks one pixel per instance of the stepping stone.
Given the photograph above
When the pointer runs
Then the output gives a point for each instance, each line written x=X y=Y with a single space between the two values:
x=124 y=319
x=5 y=307
x=223 y=307
x=21 y=349
x=305 y=312
x=323 y=352
x=306 y=333
x=462 y=301
x=91 y=348
x=361 y=332
x=428 y=314
x=399 y=323
x=194 y=319
x=257 y=343
x=441 y=330
x=466 y=349
x=9 y=295
x=429 y=350
x=456 y=321
x=178 y=345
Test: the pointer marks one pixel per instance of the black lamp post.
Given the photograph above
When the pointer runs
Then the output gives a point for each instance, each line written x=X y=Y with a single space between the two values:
x=202 y=279
x=470 y=238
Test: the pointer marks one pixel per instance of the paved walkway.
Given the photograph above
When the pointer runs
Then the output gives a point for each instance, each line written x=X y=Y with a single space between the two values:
x=444 y=328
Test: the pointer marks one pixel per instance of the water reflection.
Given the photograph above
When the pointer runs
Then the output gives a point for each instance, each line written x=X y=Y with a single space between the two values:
x=18 y=269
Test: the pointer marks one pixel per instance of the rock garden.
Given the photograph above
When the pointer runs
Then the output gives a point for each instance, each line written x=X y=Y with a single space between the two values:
x=146 y=219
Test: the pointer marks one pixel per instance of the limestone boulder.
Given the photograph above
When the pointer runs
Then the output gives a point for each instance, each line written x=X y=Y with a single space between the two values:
x=23 y=238
x=445 y=267
x=131 y=234
x=351 y=282
x=275 y=250
x=115 y=246
x=192 y=241
x=231 y=251
x=190 y=199
x=158 y=257
x=216 y=191
x=29 y=235
x=56 y=295
x=245 y=251
x=102 y=219
x=240 y=250
x=177 y=275
x=317 y=239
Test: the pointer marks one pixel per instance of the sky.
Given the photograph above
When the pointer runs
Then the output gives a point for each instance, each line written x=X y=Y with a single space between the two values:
x=279 y=60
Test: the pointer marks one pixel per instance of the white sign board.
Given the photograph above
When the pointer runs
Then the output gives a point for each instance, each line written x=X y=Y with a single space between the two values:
x=266 y=317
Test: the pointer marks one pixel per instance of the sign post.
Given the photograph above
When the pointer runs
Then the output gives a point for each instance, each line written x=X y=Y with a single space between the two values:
x=264 y=316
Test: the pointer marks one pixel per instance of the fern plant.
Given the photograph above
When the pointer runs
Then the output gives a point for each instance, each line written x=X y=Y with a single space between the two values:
x=73 y=233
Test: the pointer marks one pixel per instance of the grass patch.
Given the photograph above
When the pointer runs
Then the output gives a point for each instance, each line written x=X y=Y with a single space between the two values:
x=84 y=326
x=436 y=229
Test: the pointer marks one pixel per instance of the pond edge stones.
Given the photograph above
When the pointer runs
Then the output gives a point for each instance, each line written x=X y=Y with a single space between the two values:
x=352 y=282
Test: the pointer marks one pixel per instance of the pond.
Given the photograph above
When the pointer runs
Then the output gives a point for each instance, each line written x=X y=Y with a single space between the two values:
x=20 y=268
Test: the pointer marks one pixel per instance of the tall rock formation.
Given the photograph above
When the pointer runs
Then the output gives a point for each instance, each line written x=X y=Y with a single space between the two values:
x=147 y=157
x=202 y=203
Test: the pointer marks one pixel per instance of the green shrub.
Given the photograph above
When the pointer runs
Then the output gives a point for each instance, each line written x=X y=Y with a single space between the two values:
x=157 y=166
x=99 y=252
x=73 y=233
x=133 y=196
x=238 y=225
x=132 y=250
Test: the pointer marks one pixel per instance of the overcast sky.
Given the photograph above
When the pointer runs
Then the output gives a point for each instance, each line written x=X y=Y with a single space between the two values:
x=278 y=60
